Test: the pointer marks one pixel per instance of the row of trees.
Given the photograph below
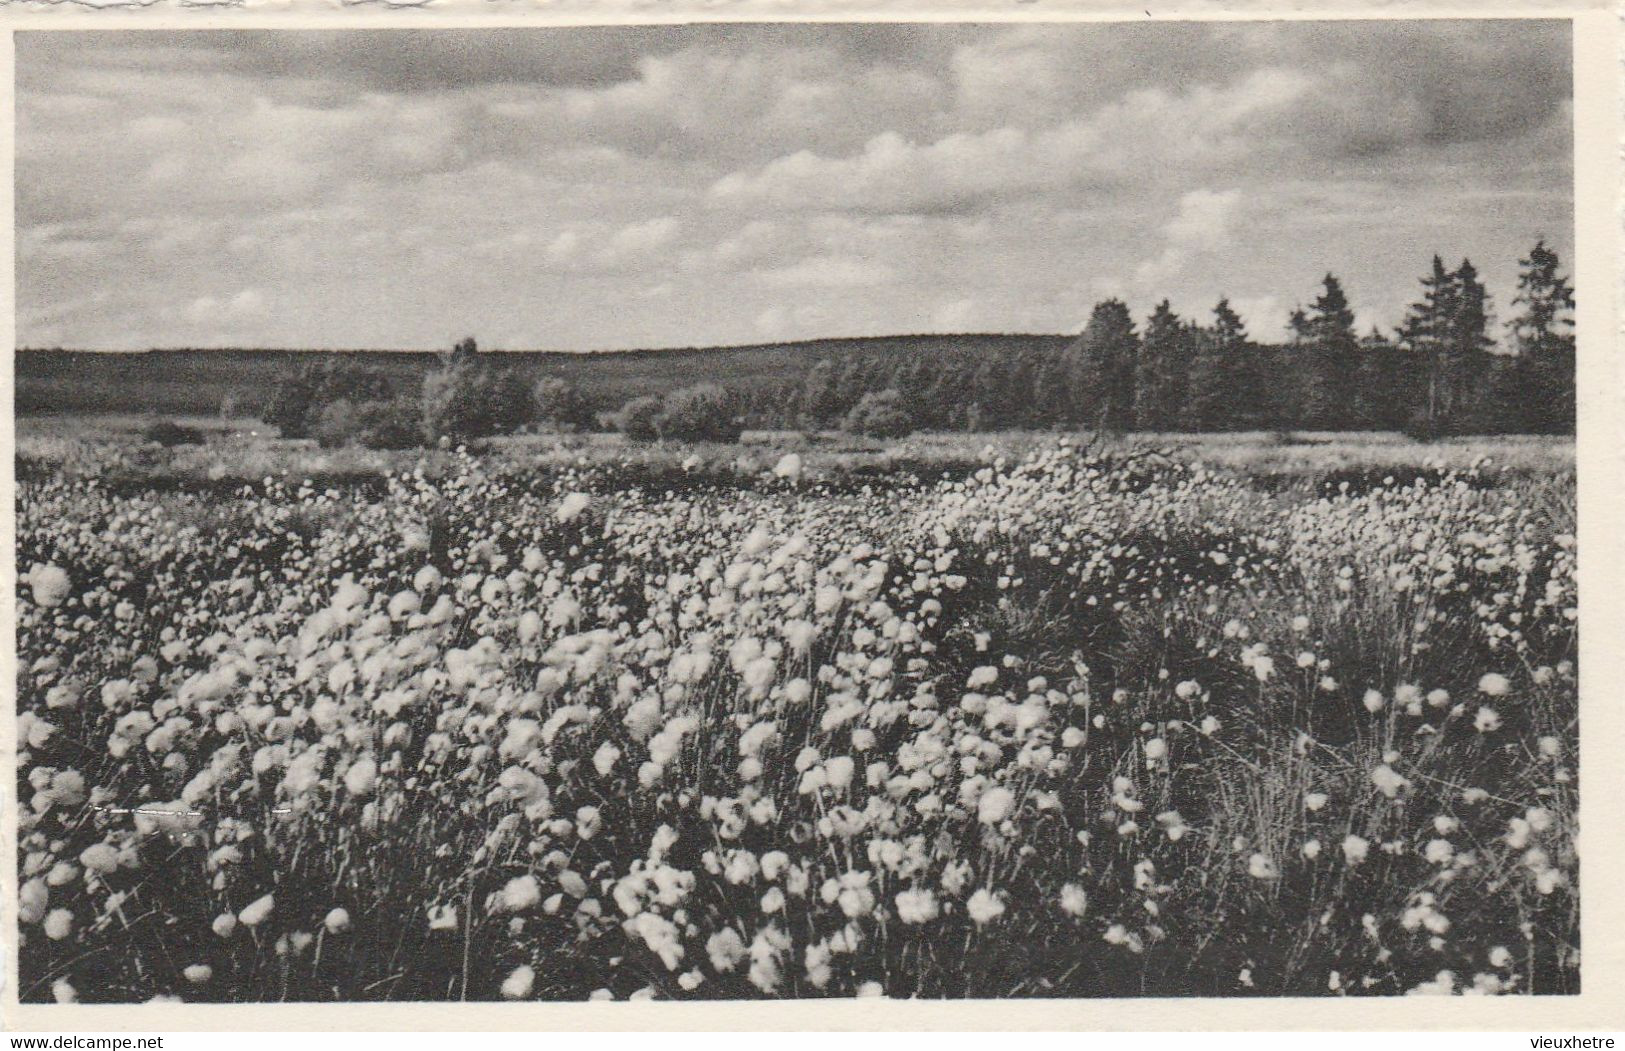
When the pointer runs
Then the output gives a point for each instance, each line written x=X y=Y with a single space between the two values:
x=470 y=396
x=1440 y=372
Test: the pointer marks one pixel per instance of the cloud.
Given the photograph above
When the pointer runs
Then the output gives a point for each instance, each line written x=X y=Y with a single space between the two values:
x=828 y=271
x=1264 y=316
x=400 y=188
x=246 y=303
x=956 y=315
x=1202 y=224
x=1134 y=139
x=635 y=241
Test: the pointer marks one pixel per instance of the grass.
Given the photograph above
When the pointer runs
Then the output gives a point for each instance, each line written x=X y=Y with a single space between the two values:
x=1061 y=723
x=243 y=449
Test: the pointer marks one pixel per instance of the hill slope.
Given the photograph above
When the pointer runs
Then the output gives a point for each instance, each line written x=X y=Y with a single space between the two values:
x=198 y=382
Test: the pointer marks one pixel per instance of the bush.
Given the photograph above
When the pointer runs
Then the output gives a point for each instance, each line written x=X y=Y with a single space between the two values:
x=372 y=425
x=300 y=400
x=388 y=425
x=559 y=404
x=879 y=414
x=464 y=399
x=169 y=434
x=636 y=419
x=701 y=413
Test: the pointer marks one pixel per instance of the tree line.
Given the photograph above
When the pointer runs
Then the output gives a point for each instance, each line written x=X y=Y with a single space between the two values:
x=1441 y=372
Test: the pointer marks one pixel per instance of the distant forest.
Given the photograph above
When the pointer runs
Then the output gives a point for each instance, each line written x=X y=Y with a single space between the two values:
x=1442 y=372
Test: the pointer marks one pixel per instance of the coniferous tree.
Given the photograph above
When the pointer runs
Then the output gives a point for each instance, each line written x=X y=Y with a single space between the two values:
x=1298 y=324
x=1448 y=331
x=1547 y=299
x=1544 y=336
x=1467 y=352
x=1102 y=368
x=1225 y=389
x=1426 y=333
x=1162 y=371
x=1327 y=332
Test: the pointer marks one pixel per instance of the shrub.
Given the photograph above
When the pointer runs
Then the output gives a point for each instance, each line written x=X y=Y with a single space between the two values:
x=464 y=399
x=388 y=425
x=335 y=424
x=559 y=404
x=372 y=425
x=636 y=419
x=301 y=398
x=168 y=433
x=879 y=414
x=703 y=412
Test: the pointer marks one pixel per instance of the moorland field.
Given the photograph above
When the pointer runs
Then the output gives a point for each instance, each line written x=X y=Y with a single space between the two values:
x=952 y=715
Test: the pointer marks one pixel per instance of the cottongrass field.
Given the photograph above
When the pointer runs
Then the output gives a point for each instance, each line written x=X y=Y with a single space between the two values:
x=1046 y=718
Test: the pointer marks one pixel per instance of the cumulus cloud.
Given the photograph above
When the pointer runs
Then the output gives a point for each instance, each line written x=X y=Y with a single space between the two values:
x=698 y=184
x=829 y=271
x=1202 y=224
x=1146 y=135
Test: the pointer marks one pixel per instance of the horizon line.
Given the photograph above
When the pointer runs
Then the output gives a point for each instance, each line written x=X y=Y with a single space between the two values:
x=670 y=348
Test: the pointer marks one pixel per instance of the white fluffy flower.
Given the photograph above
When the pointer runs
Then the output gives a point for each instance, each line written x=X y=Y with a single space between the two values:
x=789 y=466
x=49 y=584
x=443 y=917
x=520 y=893
x=58 y=924
x=984 y=906
x=995 y=805
x=1389 y=781
x=1355 y=848
x=257 y=911
x=361 y=777
x=517 y=985
x=917 y=905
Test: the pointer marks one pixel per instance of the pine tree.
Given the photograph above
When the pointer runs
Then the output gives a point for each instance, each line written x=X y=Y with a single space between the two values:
x=1327 y=330
x=1225 y=389
x=1102 y=368
x=1298 y=323
x=1162 y=371
x=1467 y=350
x=1547 y=299
x=1544 y=335
x=1448 y=328
x=1426 y=333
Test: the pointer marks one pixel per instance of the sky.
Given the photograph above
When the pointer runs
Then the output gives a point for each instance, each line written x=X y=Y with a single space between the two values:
x=585 y=189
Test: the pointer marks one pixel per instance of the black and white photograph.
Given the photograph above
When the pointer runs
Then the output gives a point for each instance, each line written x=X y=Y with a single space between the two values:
x=805 y=510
